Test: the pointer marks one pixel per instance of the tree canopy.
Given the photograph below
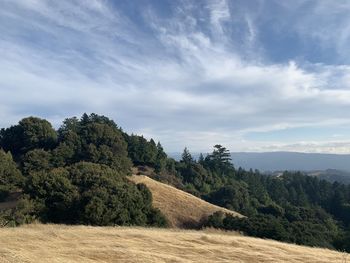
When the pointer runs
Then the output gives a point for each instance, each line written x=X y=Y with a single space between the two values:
x=10 y=176
x=74 y=175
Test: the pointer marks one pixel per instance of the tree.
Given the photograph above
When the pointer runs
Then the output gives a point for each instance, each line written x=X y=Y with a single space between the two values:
x=22 y=213
x=272 y=209
x=54 y=195
x=77 y=175
x=10 y=177
x=219 y=161
x=94 y=139
x=201 y=159
x=107 y=198
x=186 y=156
x=36 y=160
x=140 y=151
x=234 y=196
x=220 y=155
x=30 y=133
x=161 y=159
x=89 y=193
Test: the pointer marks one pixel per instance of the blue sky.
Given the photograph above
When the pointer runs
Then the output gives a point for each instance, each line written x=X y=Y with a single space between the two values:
x=257 y=75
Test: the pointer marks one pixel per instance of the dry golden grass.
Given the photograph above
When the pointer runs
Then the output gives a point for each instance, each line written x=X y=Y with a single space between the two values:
x=73 y=244
x=180 y=208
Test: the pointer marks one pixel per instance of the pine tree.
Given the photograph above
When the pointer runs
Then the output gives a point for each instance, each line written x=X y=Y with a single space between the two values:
x=186 y=156
x=221 y=154
x=161 y=159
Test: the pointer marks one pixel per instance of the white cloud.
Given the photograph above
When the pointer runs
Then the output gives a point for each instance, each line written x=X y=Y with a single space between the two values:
x=219 y=14
x=336 y=147
x=326 y=24
x=177 y=83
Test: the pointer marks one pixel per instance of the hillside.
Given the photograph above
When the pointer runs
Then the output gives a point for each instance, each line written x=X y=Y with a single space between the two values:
x=332 y=175
x=70 y=244
x=181 y=209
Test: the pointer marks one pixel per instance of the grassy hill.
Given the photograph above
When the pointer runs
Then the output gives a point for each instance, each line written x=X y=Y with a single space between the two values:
x=70 y=244
x=181 y=209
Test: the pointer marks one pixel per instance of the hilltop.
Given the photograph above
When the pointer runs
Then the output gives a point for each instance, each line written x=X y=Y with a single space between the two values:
x=71 y=244
x=180 y=208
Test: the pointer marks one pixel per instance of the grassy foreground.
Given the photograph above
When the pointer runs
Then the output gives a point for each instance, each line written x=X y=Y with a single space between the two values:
x=59 y=243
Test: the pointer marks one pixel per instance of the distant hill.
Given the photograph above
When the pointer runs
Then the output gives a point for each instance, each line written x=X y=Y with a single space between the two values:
x=280 y=161
x=180 y=208
x=332 y=175
x=60 y=243
x=272 y=161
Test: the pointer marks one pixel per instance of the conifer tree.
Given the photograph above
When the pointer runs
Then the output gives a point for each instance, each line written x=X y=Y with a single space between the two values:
x=186 y=156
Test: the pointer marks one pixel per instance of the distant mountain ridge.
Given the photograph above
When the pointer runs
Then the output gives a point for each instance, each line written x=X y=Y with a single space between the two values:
x=281 y=161
x=332 y=175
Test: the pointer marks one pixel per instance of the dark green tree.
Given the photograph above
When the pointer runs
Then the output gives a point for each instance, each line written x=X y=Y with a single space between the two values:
x=54 y=195
x=201 y=159
x=30 y=133
x=94 y=139
x=10 y=177
x=220 y=155
x=186 y=156
x=37 y=160
x=161 y=159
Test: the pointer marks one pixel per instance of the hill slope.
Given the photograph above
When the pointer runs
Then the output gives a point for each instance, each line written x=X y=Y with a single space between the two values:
x=181 y=209
x=71 y=244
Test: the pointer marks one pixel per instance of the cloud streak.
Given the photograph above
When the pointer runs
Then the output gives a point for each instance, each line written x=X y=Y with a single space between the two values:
x=186 y=74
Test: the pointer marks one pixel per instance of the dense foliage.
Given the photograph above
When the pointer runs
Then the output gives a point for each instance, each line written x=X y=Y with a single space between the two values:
x=75 y=175
x=10 y=177
x=30 y=133
x=291 y=207
x=143 y=152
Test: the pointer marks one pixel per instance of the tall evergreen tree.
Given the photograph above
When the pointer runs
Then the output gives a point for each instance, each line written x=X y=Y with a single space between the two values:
x=186 y=156
x=220 y=154
x=201 y=158
x=161 y=158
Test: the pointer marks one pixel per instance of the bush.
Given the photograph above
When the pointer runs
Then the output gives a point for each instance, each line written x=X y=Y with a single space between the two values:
x=94 y=194
x=23 y=213
x=54 y=195
x=267 y=226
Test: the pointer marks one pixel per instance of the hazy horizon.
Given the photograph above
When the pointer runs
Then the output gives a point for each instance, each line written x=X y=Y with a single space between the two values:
x=282 y=161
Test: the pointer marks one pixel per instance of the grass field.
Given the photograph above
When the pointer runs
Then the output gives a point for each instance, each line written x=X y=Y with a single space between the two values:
x=73 y=244
x=181 y=209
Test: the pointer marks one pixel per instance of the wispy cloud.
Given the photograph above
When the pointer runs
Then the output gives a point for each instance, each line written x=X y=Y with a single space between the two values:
x=193 y=74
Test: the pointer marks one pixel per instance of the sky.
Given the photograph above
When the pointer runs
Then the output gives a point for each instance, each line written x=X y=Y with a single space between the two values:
x=252 y=75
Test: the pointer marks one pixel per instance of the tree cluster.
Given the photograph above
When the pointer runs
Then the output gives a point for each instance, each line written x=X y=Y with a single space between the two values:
x=74 y=175
x=292 y=207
